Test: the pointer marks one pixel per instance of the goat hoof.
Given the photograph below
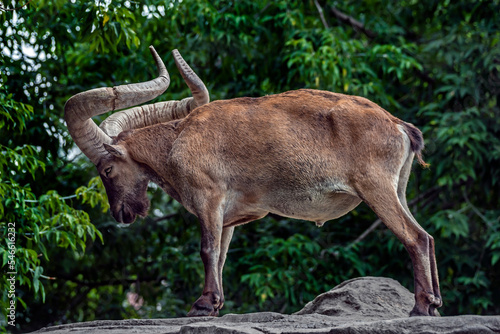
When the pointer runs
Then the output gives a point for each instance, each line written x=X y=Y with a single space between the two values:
x=434 y=312
x=201 y=311
x=429 y=311
x=202 y=308
x=418 y=313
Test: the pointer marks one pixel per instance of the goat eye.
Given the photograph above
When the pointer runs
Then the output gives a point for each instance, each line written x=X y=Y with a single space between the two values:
x=107 y=171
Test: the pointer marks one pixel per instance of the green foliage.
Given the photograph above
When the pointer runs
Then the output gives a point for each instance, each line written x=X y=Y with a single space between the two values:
x=13 y=115
x=280 y=267
x=94 y=194
x=290 y=272
x=435 y=64
x=31 y=226
x=326 y=59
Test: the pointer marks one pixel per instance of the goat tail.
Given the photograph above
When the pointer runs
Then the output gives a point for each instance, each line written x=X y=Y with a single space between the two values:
x=416 y=142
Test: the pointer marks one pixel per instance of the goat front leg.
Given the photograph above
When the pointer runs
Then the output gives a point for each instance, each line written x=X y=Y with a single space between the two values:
x=210 y=301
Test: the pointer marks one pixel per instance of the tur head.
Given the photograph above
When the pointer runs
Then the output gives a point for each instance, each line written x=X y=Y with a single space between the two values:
x=126 y=180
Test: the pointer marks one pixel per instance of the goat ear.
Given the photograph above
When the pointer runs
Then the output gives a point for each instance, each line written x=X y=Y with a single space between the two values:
x=115 y=150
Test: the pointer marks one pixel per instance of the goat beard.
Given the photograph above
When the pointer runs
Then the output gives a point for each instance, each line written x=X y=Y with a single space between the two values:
x=133 y=208
x=138 y=208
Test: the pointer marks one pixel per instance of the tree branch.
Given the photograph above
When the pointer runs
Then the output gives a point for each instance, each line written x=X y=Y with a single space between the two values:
x=414 y=201
x=2 y=8
x=256 y=16
x=156 y=220
x=363 y=235
x=110 y=282
x=320 y=11
x=361 y=27
x=377 y=222
x=352 y=22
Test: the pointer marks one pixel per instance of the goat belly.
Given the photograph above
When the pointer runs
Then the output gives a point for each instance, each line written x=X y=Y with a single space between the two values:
x=311 y=206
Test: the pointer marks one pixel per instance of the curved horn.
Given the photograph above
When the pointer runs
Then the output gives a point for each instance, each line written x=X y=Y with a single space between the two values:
x=80 y=108
x=160 y=112
x=197 y=87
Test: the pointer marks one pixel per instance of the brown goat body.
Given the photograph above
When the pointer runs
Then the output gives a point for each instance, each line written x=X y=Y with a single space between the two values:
x=306 y=154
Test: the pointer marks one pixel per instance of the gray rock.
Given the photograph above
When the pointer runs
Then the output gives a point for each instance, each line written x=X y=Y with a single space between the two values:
x=365 y=297
x=363 y=305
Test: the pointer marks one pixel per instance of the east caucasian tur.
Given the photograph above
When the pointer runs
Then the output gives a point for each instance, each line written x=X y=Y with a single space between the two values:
x=306 y=154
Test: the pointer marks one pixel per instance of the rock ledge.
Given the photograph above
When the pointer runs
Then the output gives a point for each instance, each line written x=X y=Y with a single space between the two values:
x=368 y=305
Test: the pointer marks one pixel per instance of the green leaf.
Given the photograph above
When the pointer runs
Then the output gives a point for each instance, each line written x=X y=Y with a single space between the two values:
x=494 y=258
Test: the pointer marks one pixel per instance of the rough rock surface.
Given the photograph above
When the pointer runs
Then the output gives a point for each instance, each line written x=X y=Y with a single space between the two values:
x=363 y=305
x=367 y=297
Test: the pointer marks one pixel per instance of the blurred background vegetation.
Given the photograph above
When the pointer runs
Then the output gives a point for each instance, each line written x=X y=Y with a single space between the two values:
x=433 y=63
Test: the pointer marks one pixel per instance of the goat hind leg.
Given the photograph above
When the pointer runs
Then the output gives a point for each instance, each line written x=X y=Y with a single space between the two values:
x=437 y=302
x=402 y=183
x=385 y=203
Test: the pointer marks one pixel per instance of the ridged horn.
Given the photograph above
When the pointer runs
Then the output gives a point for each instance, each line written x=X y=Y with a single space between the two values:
x=197 y=87
x=80 y=109
x=160 y=112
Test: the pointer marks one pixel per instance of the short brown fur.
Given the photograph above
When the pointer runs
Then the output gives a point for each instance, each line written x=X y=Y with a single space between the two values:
x=305 y=154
